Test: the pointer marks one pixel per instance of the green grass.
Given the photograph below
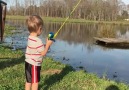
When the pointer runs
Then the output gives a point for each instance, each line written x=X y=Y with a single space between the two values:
x=54 y=75
x=57 y=19
x=8 y=29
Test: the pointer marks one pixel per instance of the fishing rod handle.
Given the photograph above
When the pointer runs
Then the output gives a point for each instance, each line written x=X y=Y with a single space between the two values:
x=51 y=36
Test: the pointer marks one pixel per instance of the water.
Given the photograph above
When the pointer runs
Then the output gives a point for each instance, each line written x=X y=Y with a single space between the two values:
x=75 y=46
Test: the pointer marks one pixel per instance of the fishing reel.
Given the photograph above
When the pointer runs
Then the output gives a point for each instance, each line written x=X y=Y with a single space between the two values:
x=51 y=36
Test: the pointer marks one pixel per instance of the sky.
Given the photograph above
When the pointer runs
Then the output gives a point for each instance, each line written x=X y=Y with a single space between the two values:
x=126 y=1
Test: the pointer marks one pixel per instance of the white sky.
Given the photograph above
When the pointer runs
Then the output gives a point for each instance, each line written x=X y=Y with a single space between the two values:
x=126 y=1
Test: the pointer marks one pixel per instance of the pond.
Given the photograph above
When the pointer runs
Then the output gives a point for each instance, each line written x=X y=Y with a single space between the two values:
x=76 y=46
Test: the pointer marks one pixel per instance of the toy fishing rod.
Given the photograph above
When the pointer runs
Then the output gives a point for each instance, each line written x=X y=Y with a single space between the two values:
x=51 y=35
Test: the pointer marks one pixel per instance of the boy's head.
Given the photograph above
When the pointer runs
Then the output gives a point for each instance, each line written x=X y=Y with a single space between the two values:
x=35 y=24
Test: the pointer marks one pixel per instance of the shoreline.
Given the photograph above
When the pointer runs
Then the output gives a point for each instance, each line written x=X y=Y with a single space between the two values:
x=58 y=19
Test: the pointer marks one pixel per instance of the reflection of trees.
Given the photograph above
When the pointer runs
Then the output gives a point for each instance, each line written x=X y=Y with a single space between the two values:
x=122 y=29
x=106 y=31
x=17 y=23
x=83 y=33
x=112 y=31
x=79 y=33
x=74 y=33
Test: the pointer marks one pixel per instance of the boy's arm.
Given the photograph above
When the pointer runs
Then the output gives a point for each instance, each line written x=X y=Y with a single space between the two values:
x=48 y=44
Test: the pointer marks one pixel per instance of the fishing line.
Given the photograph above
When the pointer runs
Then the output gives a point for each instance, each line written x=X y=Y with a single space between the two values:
x=67 y=19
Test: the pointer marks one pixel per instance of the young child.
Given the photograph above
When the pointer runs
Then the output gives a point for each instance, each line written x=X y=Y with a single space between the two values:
x=34 y=52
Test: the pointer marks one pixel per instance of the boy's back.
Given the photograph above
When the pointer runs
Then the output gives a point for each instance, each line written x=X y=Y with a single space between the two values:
x=33 y=51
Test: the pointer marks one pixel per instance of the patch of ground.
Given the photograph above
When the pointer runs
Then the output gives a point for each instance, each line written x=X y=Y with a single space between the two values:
x=51 y=71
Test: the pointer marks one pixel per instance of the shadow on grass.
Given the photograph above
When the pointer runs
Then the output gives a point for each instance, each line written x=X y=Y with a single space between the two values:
x=112 y=87
x=56 y=78
x=7 y=47
x=8 y=62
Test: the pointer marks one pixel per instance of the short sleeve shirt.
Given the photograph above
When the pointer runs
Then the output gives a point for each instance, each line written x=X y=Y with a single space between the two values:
x=33 y=51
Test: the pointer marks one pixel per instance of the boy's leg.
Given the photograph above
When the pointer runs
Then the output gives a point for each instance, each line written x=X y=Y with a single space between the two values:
x=34 y=86
x=28 y=76
x=27 y=86
x=35 y=77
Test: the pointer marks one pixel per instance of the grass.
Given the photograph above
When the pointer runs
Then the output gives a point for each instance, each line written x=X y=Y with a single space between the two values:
x=58 y=19
x=8 y=29
x=54 y=75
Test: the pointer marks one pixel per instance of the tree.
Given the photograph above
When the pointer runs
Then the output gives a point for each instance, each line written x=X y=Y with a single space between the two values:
x=125 y=14
x=98 y=10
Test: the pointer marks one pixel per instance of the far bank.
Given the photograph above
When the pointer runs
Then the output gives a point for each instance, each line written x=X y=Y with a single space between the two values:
x=58 y=19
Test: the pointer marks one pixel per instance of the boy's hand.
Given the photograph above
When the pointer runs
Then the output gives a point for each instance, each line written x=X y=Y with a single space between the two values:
x=49 y=42
x=43 y=53
x=47 y=46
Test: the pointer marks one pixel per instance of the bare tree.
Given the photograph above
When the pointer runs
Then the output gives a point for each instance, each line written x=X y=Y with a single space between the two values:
x=87 y=9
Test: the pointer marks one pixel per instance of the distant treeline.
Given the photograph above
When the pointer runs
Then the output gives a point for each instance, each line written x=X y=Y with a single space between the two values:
x=103 y=10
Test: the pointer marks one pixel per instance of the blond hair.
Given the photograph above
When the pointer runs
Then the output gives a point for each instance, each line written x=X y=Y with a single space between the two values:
x=34 y=22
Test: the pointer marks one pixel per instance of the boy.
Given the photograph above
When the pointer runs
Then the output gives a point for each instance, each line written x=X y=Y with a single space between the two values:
x=34 y=52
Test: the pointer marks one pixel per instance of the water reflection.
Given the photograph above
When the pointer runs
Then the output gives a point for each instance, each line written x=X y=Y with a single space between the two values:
x=106 y=31
x=16 y=23
x=80 y=33
x=74 y=33
x=75 y=46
